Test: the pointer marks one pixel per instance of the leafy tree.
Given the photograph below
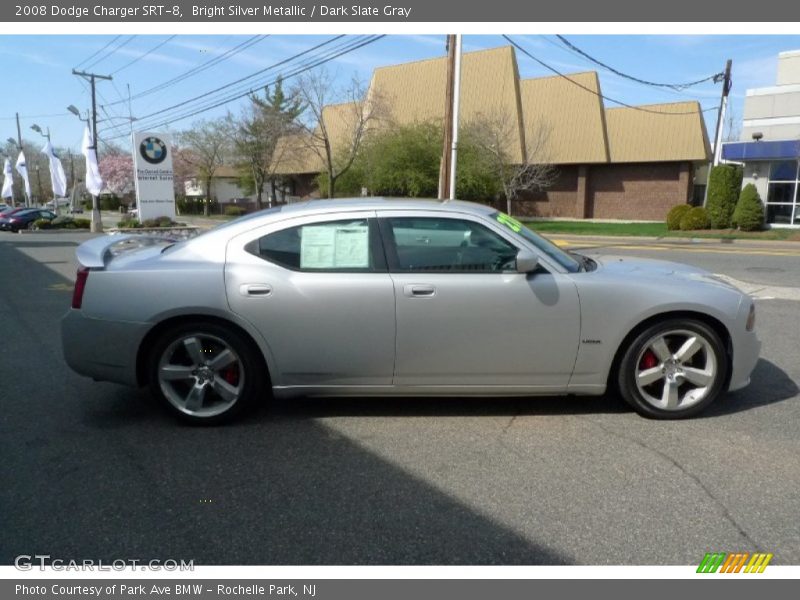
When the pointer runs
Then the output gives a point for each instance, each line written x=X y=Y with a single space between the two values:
x=724 y=183
x=256 y=134
x=749 y=212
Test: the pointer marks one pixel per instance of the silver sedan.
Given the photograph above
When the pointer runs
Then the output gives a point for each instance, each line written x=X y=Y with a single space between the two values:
x=399 y=297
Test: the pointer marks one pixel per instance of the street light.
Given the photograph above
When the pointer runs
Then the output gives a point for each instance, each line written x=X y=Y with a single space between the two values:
x=13 y=142
x=38 y=130
x=97 y=221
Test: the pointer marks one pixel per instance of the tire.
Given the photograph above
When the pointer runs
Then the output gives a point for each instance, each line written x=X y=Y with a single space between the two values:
x=205 y=373
x=673 y=369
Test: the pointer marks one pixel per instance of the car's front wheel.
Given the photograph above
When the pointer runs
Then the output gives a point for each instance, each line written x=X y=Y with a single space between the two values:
x=673 y=369
x=205 y=373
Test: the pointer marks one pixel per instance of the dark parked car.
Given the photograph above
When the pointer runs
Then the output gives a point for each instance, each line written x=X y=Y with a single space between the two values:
x=24 y=219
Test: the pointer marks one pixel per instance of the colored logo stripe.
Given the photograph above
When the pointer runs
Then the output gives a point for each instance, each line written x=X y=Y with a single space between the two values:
x=733 y=562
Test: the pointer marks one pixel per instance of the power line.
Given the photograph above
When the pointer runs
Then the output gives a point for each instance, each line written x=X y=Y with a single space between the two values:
x=241 y=79
x=201 y=67
x=590 y=90
x=206 y=101
x=299 y=70
x=111 y=52
x=141 y=56
x=675 y=86
x=98 y=51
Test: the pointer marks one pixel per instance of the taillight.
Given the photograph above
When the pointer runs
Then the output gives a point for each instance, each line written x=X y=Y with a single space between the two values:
x=80 y=285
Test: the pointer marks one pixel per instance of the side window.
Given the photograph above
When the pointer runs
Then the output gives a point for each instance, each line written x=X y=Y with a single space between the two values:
x=346 y=245
x=448 y=245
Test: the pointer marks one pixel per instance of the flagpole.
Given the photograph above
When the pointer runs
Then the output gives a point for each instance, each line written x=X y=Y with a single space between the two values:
x=19 y=142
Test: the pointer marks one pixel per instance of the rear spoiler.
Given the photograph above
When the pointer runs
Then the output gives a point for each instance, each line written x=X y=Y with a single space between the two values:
x=98 y=252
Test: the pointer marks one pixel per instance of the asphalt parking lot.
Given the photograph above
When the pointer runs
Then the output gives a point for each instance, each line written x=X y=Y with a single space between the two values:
x=95 y=470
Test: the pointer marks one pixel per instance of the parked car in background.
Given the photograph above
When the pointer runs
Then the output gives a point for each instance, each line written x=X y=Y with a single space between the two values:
x=399 y=297
x=24 y=219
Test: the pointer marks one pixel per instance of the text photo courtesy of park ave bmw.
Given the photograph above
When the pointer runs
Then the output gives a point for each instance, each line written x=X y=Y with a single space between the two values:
x=289 y=309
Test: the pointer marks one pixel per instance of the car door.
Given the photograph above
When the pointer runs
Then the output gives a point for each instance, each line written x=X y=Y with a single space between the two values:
x=465 y=317
x=318 y=290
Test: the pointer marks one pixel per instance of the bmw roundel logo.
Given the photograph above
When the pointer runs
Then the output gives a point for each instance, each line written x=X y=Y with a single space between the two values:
x=153 y=150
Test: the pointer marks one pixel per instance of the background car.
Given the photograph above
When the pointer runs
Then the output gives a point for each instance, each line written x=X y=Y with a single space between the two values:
x=388 y=297
x=24 y=219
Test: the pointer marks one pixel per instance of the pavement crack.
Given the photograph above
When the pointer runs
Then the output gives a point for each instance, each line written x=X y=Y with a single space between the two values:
x=509 y=424
x=726 y=514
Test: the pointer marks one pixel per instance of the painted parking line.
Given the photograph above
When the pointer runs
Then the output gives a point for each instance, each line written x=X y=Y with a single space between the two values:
x=694 y=248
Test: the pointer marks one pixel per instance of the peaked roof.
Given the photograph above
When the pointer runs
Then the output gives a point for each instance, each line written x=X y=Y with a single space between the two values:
x=568 y=116
x=657 y=132
x=558 y=120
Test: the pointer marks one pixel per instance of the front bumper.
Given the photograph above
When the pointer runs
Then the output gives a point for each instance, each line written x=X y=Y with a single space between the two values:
x=746 y=351
x=100 y=349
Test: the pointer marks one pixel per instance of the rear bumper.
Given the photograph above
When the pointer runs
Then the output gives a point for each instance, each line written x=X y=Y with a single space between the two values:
x=100 y=349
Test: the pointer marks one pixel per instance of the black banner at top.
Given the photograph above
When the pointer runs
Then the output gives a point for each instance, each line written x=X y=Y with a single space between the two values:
x=382 y=11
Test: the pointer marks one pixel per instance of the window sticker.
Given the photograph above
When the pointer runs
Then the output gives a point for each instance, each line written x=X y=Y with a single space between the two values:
x=334 y=246
x=509 y=222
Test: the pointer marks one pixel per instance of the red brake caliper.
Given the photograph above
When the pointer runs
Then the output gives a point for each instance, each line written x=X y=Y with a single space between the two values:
x=649 y=360
x=231 y=375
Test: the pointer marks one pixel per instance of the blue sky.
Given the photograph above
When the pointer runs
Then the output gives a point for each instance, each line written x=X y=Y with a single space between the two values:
x=39 y=84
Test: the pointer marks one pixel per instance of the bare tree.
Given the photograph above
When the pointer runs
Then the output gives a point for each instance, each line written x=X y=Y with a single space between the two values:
x=732 y=126
x=493 y=135
x=337 y=121
x=206 y=145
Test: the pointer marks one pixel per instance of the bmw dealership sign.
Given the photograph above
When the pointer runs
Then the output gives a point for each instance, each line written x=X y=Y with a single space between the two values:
x=152 y=161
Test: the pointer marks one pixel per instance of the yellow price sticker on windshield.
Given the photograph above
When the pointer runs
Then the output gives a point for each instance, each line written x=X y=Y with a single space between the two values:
x=509 y=222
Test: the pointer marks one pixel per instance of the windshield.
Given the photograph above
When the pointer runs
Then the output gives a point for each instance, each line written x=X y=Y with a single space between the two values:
x=543 y=244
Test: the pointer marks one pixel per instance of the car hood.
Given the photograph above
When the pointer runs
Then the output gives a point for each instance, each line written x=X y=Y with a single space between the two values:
x=662 y=270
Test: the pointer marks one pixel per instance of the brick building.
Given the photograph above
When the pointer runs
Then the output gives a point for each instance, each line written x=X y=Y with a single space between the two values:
x=617 y=163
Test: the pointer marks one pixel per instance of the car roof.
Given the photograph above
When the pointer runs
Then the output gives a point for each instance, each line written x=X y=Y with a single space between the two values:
x=382 y=203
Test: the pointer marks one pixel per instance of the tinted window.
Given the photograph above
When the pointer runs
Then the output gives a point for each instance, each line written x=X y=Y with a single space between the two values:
x=345 y=245
x=448 y=245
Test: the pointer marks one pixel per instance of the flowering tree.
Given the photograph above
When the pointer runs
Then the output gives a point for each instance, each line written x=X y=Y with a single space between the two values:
x=117 y=173
x=182 y=169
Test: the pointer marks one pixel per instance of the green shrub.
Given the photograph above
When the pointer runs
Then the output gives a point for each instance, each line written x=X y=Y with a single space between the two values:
x=41 y=224
x=128 y=224
x=724 y=183
x=675 y=215
x=82 y=223
x=695 y=218
x=749 y=213
x=60 y=222
x=234 y=211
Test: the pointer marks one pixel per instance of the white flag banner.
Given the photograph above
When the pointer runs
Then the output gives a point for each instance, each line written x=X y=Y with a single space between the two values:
x=22 y=169
x=57 y=176
x=94 y=183
x=8 y=180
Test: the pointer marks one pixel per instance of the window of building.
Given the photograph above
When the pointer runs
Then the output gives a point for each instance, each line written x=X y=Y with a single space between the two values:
x=782 y=193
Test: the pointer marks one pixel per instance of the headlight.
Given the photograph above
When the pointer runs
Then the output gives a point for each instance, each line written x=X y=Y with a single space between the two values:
x=751 y=317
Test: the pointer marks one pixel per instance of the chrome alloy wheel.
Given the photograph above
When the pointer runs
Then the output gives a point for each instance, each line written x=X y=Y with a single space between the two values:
x=201 y=375
x=676 y=369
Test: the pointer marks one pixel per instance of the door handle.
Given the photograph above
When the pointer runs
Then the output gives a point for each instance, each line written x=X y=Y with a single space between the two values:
x=255 y=289
x=419 y=291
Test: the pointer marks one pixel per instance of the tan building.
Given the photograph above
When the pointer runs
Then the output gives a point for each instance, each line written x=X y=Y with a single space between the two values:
x=625 y=163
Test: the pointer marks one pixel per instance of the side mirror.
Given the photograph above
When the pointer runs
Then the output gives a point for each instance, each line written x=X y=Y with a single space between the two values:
x=527 y=261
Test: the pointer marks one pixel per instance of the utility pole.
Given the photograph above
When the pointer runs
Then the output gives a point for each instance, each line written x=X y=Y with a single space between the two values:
x=723 y=104
x=456 y=106
x=97 y=222
x=444 y=166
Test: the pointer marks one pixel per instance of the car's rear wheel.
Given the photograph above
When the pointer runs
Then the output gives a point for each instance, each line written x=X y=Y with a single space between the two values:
x=673 y=369
x=205 y=373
